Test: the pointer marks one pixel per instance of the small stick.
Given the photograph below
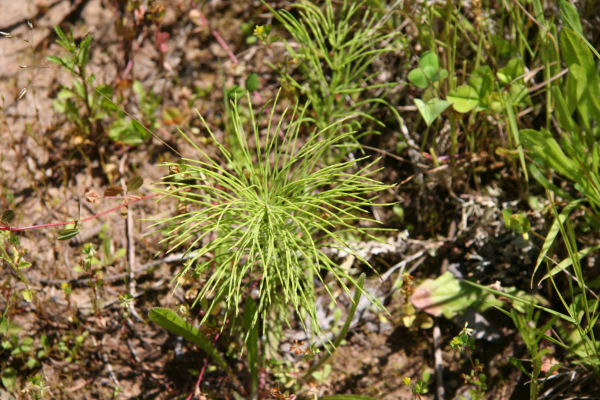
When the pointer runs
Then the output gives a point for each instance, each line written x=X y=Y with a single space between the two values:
x=437 y=355
x=128 y=233
x=132 y=350
x=109 y=368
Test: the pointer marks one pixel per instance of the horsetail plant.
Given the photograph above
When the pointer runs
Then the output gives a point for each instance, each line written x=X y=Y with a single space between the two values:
x=260 y=221
x=335 y=50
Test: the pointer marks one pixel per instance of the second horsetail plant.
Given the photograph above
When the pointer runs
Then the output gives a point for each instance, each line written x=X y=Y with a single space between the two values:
x=256 y=226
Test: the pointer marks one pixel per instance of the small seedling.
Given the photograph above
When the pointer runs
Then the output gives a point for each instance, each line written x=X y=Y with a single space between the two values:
x=465 y=343
x=84 y=104
x=70 y=346
x=420 y=386
x=517 y=223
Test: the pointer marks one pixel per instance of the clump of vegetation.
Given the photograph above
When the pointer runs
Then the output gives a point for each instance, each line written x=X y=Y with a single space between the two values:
x=88 y=105
x=334 y=50
x=84 y=104
x=261 y=222
x=282 y=240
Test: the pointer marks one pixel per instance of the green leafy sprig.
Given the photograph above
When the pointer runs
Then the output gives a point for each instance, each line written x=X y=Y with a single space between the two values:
x=262 y=219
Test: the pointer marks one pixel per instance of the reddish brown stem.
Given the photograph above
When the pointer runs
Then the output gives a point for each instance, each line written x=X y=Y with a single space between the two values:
x=4 y=227
x=219 y=38
x=197 y=389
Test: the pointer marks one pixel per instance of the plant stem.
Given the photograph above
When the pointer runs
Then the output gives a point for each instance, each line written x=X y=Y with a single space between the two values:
x=345 y=328
x=24 y=228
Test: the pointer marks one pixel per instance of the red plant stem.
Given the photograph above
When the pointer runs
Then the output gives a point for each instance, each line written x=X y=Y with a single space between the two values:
x=224 y=46
x=201 y=375
x=219 y=39
x=4 y=227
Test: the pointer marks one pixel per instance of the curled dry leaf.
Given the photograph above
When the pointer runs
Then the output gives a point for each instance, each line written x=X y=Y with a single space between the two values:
x=113 y=191
x=134 y=184
x=91 y=196
x=22 y=93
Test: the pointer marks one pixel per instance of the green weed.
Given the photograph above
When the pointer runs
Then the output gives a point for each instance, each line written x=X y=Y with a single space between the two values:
x=465 y=343
x=335 y=49
x=84 y=103
x=87 y=105
x=264 y=218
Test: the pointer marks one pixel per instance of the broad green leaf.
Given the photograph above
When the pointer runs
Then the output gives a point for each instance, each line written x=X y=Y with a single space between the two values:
x=443 y=74
x=464 y=98
x=562 y=107
x=67 y=234
x=575 y=51
x=119 y=253
x=447 y=295
x=322 y=374
x=546 y=150
x=516 y=222
x=7 y=327
x=517 y=92
x=482 y=80
x=138 y=88
x=79 y=89
x=252 y=82
x=569 y=16
x=417 y=77
x=127 y=131
x=84 y=51
x=104 y=94
x=512 y=70
x=427 y=72
x=32 y=363
x=432 y=109
x=9 y=378
x=593 y=95
x=172 y=322
x=495 y=102
x=27 y=295
x=576 y=85
x=65 y=93
x=429 y=64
